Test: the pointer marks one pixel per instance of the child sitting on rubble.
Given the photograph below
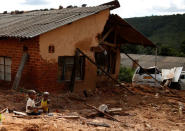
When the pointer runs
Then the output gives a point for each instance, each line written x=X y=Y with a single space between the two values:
x=31 y=108
x=45 y=102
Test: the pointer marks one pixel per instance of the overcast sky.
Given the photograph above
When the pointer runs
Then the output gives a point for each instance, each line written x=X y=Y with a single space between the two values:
x=129 y=8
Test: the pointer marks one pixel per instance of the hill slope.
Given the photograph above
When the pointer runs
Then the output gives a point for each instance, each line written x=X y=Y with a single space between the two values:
x=162 y=30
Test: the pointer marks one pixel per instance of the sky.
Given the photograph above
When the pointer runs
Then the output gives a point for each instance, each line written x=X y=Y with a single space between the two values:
x=129 y=8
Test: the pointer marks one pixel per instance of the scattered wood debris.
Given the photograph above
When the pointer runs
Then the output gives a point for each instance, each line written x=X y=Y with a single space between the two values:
x=98 y=124
x=106 y=114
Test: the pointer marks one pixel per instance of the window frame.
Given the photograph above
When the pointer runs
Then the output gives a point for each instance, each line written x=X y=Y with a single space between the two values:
x=109 y=64
x=5 y=67
x=62 y=68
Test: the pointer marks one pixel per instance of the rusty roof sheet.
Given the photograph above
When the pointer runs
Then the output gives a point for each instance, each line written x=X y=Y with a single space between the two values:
x=34 y=23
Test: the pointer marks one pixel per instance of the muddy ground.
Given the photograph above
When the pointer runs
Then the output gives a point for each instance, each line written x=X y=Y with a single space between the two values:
x=148 y=108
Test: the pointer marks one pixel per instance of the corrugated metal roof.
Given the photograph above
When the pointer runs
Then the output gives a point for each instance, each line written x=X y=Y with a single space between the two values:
x=31 y=24
x=163 y=62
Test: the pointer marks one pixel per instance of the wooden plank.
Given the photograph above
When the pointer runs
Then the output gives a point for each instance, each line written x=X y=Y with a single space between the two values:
x=115 y=110
x=98 y=124
x=109 y=44
x=19 y=113
x=107 y=34
x=68 y=117
x=20 y=70
x=109 y=116
x=73 y=75
x=2 y=111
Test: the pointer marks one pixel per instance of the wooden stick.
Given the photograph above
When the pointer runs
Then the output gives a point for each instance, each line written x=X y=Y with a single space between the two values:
x=69 y=117
x=109 y=116
x=98 y=124
x=2 y=111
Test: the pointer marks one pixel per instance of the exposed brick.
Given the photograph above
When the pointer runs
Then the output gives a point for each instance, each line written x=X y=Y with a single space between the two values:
x=38 y=74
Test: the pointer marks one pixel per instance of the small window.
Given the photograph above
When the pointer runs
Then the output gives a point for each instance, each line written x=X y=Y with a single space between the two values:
x=51 y=49
x=66 y=64
x=107 y=61
x=5 y=68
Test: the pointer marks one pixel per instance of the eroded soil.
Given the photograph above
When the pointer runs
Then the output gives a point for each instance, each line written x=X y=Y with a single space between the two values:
x=148 y=108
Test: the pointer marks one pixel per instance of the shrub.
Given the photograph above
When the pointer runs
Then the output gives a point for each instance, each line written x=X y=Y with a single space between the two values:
x=126 y=74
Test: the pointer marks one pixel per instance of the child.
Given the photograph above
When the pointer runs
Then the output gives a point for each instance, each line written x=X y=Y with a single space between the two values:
x=45 y=102
x=31 y=109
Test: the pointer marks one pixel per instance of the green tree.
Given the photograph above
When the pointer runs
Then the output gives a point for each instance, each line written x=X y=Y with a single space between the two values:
x=182 y=49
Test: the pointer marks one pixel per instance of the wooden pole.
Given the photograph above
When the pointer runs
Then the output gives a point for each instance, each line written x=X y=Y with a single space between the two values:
x=155 y=64
x=20 y=70
x=116 y=81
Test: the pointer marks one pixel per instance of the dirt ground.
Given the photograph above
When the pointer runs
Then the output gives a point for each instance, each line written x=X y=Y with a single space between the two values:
x=148 y=108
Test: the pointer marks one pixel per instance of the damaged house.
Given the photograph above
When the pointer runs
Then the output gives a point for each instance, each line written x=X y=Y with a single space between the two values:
x=55 y=49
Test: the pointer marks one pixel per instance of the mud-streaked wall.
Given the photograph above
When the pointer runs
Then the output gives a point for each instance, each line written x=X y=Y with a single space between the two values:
x=80 y=34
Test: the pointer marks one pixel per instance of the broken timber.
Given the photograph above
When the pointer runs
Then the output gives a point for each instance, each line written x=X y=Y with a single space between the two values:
x=107 y=74
x=109 y=116
x=73 y=76
x=98 y=124
x=19 y=72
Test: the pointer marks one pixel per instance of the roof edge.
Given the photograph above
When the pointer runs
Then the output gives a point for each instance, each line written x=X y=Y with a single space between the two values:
x=115 y=4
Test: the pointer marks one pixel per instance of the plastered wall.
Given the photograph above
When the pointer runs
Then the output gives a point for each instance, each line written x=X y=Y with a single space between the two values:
x=80 y=34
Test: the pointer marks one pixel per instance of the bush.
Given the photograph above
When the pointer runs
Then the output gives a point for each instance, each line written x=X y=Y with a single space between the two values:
x=126 y=74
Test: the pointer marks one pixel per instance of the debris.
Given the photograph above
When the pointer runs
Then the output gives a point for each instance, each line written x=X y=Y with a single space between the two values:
x=109 y=116
x=98 y=124
x=180 y=109
x=50 y=114
x=157 y=95
x=103 y=108
x=2 y=111
x=148 y=125
x=114 y=110
x=69 y=117
x=19 y=113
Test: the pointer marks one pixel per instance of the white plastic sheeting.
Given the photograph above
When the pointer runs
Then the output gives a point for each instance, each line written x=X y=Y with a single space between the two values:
x=173 y=74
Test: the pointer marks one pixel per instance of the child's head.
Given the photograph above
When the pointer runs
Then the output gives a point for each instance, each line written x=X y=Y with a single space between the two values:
x=45 y=95
x=32 y=94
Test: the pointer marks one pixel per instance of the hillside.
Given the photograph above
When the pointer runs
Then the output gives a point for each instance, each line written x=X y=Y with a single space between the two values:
x=165 y=31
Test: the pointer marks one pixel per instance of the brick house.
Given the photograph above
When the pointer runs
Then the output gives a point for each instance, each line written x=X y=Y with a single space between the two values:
x=50 y=39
